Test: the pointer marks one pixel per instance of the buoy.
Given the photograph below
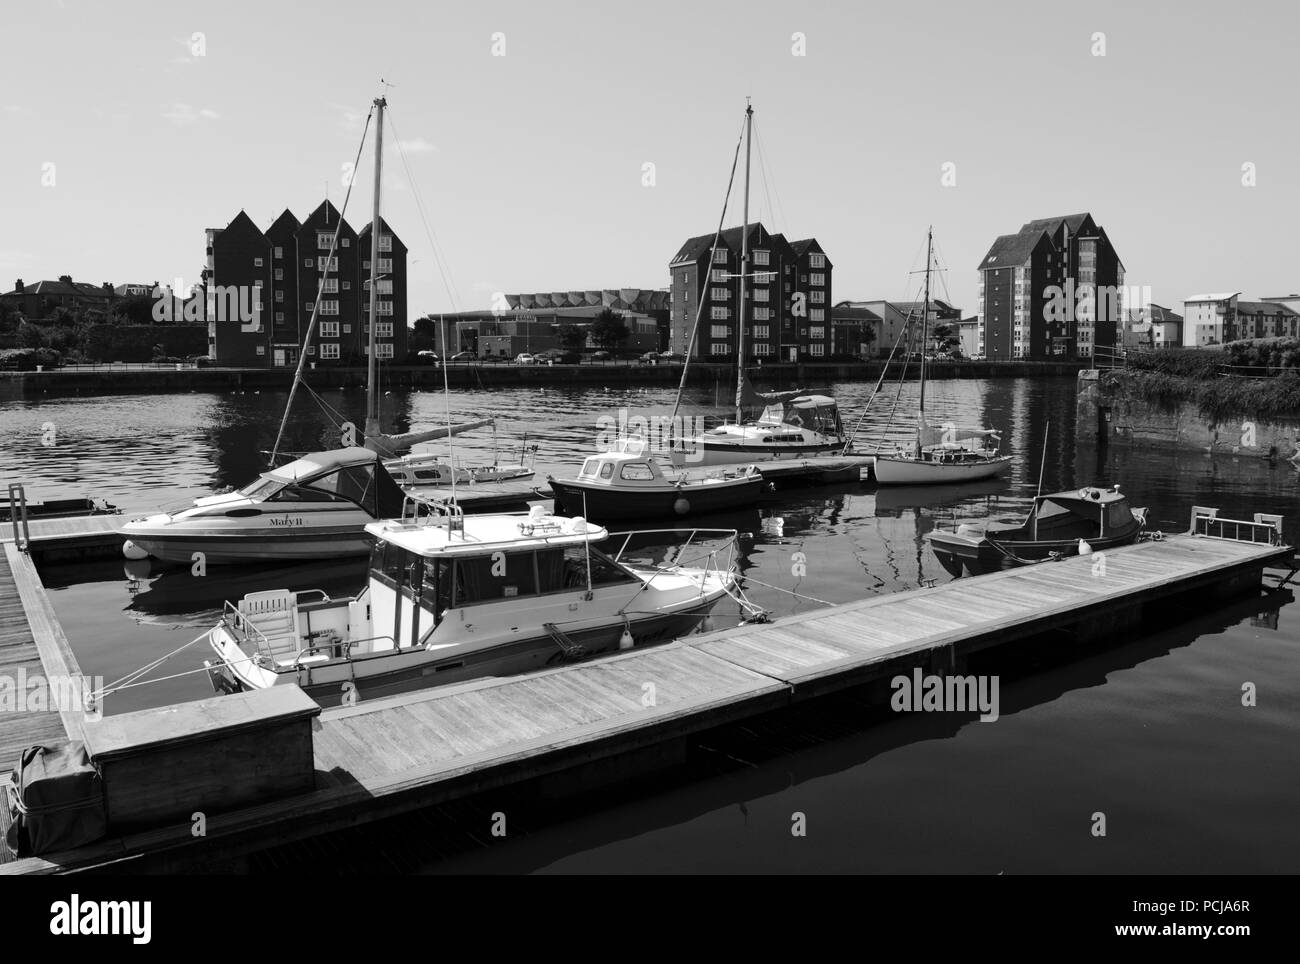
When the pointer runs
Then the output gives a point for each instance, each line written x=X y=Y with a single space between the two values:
x=681 y=506
x=1084 y=548
x=132 y=551
x=626 y=641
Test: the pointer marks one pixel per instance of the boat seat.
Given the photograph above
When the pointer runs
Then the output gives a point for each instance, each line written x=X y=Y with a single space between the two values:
x=275 y=615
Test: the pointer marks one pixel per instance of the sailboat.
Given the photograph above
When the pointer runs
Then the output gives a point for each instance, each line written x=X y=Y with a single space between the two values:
x=946 y=453
x=791 y=424
x=318 y=505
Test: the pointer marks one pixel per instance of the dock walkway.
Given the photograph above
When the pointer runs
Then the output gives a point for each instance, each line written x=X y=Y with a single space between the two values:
x=397 y=754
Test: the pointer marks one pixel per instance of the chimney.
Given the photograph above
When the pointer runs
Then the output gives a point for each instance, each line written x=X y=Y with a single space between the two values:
x=66 y=278
x=18 y=286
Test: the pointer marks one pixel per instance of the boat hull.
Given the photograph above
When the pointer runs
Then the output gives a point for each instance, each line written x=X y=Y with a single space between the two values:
x=235 y=547
x=890 y=470
x=962 y=554
x=710 y=453
x=598 y=502
x=387 y=673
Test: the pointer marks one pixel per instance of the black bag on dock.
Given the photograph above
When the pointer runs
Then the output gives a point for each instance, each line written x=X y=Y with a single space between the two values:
x=55 y=800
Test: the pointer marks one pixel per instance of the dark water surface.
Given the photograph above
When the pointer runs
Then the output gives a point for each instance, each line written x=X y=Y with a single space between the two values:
x=1151 y=732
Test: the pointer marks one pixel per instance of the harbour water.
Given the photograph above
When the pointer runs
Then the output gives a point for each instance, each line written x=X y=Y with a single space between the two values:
x=1152 y=733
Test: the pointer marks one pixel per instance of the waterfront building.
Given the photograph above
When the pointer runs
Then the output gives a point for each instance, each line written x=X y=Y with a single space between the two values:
x=529 y=323
x=38 y=300
x=1053 y=289
x=1209 y=319
x=855 y=331
x=787 y=317
x=895 y=316
x=287 y=264
x=1264 y=319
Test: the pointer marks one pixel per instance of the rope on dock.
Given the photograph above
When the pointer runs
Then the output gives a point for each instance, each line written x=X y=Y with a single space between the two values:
x=797 y=595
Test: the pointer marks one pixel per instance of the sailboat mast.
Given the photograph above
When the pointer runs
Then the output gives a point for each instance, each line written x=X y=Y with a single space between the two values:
x=925 y=313
x=372 y=382
x=744 y=271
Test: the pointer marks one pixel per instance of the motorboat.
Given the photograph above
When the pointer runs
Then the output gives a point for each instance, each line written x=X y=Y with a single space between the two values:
x=628 y=483
x=455 y=597
x=435 y=470
x=790 y=425
x=1061 y=524
x=315 y=507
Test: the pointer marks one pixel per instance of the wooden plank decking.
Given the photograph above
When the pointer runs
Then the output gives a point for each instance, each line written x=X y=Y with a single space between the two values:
x=396 y=754
x=72 y=534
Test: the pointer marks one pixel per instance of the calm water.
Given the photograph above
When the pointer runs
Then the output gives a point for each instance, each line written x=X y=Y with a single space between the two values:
x=1150 y=732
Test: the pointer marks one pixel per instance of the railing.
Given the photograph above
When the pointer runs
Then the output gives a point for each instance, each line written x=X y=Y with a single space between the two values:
x=17 y=513
x=1264 y=529
x=1105 y=356
x=244 y=630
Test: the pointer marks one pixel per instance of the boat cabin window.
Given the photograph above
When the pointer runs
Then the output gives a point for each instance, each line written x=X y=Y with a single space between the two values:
x=356 y=484
x=559 y=570
x=607 y=470
x=483 y=578
x=1117 y=515
x=263 y=488
x=302 y=493
x=590 y=467
x=636 y=472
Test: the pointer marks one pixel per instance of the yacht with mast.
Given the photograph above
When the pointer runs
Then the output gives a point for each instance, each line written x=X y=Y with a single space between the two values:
x=790 y=424
x=940 y=454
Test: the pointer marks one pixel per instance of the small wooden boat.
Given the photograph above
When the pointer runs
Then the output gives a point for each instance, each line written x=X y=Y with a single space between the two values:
x=1060 y=524
x=627 y=483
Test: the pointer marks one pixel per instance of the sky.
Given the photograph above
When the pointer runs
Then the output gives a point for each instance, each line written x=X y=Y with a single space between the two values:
x=527 y=128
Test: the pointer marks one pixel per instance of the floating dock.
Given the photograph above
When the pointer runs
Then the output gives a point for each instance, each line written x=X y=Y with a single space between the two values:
x=581 y=724
x=72 y=538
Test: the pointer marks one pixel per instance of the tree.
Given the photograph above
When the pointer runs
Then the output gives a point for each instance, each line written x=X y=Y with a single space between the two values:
x=609 y=330
x=133 y=310
x=30 y=336
x=427 y=327
x=944 y=338
x=572 y=337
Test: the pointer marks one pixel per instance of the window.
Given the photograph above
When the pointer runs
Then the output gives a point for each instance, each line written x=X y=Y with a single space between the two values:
x=720 y=256
x=720 y=294
x=257 y=283
x=331 y=285
x=817 y=332
x=384 y=308
x=327 y=264
x=385 y=242
x=278 y=252
x=329 y=329
x=817 y=278
x=347 y=329
x=261 y=349
x=383 y=351
x=816 y=349
x=719 y=314
x=356 y=483
x=345 y=243
x=816 y=260
x=817 y=297
x=326 y=351
x=309 y=306
x=760 y=331
x=762 y=314
x=279 y=274
x=324 y=239
x=279 y=317
x=385 y=286
x=636 y=472
x=347 y=286
x=257 y=262
x=762 y=294
x=718 y=348
x=760 y=257
x=762 y=348
x=279 y=296
x=306 y=262
x=718 y=275
x=383 y=329
x=329 y=307
x=816 y=314
x=720 y=331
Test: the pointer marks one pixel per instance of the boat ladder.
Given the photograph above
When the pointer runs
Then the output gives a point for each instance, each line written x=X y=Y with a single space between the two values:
x=571 y=649
x=17 y=514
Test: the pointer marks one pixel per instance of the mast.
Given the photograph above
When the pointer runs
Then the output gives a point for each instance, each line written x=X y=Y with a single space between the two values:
x=744 y=270
x=925 y=314
x=372 y=382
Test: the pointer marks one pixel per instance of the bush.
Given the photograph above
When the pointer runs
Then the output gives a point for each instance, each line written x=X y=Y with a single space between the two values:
x=1217 y=398
x=26 y=359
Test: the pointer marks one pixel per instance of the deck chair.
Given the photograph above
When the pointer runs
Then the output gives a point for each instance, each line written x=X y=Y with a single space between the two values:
x=275 y=615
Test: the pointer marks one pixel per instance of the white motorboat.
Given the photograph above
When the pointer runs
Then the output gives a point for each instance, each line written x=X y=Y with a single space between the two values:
x=315 y=507
x=428 y=469
x=458 y=597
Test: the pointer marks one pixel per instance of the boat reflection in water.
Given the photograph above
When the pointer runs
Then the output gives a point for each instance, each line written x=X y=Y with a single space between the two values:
x=892 y=499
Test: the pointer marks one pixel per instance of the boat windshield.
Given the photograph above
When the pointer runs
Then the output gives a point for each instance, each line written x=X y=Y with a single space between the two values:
x=262 y=489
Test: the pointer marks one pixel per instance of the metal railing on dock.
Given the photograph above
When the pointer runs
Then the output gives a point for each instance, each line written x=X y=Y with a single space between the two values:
x=1264 y=529
x=17 y=514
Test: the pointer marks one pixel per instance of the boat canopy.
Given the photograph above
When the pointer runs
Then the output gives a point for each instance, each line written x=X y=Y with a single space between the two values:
x=355 y=473
x=949 y=434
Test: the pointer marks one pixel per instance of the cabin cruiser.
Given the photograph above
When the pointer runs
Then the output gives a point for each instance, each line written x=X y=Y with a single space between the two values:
x=467 y=596
x=1058 y=525
x=315 y=507
x=792 y=424
x=627 y=483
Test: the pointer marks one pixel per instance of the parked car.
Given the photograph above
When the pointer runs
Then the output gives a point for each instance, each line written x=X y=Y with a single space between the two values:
x=523 y=358
x=671 y=356
x=558 y=356
x=427 y=357
x=601 y=356
x=463 y=356
x=650 y=356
